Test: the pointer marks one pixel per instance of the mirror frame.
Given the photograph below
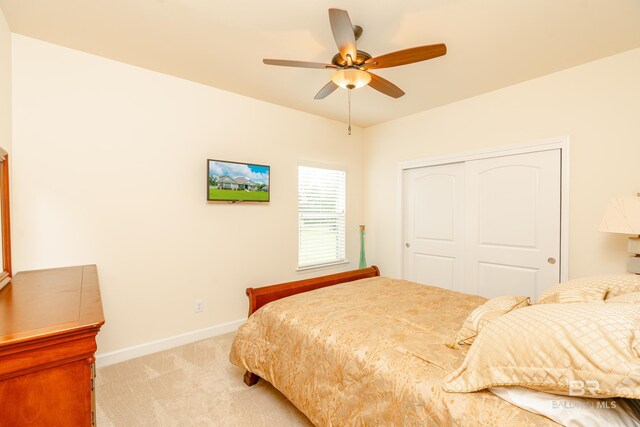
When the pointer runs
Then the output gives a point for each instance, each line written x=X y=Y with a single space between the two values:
x=5 y=219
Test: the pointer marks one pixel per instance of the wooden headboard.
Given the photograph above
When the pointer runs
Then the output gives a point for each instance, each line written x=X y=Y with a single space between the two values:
x=263 y=295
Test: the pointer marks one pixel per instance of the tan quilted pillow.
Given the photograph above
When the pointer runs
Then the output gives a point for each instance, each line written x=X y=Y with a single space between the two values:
x=484 y=314
x=613 y=284
x=555 y=348
x=584 y=294
x=632 y=298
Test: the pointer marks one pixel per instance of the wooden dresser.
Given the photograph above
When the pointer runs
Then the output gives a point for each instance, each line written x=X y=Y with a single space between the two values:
x=49 y=320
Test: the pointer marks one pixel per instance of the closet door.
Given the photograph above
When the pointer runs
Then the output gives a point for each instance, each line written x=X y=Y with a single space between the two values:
x=513 y=224
x=434 y=225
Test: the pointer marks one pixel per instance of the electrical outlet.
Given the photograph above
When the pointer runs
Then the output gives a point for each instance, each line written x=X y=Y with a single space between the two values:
x=199 y=306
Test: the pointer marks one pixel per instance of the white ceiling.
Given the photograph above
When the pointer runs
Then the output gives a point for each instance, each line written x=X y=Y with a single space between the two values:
x=221 y=43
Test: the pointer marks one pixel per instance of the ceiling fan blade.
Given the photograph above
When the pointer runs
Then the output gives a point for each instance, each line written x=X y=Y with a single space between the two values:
x=299 y=64
x=406 y=56
x=326 y=90
x=385 y=86
x=343 y=33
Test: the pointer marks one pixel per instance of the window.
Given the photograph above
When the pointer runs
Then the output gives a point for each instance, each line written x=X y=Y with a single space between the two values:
x=321 y=216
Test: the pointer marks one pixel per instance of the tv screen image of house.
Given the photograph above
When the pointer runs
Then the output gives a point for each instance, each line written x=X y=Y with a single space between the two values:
x=237 y=182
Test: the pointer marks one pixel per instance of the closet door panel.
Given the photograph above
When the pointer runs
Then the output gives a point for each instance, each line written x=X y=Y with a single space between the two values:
x=434 y=225
x=513 y=224
x=495 y=280
x=434 y=269
x=507 y=213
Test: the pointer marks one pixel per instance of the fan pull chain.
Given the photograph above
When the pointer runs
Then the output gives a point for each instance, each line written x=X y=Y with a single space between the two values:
x=349 y=96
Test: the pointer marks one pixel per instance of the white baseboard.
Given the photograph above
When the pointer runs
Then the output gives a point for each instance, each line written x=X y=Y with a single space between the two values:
x=118 y=356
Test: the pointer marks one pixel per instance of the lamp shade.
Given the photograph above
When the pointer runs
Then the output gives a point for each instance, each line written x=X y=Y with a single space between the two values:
x=351 y=78
x=622 y=216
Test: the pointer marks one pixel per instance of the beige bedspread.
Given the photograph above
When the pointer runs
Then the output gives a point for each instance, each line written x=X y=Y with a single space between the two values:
x=370 y=352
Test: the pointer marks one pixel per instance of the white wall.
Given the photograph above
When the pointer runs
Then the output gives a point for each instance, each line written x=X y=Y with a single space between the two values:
x=5 y=84
x=596 y=104
x=110 y=168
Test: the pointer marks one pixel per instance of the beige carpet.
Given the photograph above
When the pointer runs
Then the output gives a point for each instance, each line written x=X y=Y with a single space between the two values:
x=191 y=385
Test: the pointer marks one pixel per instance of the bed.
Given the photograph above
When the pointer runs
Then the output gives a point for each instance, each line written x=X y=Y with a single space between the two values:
x=359 y=349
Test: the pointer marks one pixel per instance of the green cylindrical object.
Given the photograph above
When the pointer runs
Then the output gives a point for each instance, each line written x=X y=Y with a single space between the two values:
x=363 y=260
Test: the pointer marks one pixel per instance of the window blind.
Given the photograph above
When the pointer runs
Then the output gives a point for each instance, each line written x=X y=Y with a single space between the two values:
x=321 y=216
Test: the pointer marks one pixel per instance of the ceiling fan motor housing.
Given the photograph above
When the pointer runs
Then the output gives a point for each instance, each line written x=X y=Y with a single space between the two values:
x=361 y=57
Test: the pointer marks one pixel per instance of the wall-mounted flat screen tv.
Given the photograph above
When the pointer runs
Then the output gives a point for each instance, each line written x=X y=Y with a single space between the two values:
x=237 y=182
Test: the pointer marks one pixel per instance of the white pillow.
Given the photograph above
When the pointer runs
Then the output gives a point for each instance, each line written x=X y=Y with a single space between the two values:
x=573 y=411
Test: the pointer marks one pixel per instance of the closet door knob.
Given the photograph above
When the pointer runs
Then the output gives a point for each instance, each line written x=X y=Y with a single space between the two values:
x=407 y=245
x=551 y=261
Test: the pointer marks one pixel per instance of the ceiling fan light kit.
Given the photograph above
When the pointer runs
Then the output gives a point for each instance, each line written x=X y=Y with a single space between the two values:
x=351 y=78
x=352 y=65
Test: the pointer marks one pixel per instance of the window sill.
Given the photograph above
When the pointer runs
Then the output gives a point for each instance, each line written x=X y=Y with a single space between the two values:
x=321 y=266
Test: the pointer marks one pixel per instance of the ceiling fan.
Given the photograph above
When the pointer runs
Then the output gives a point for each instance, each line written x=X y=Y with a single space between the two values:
x=352 y=65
